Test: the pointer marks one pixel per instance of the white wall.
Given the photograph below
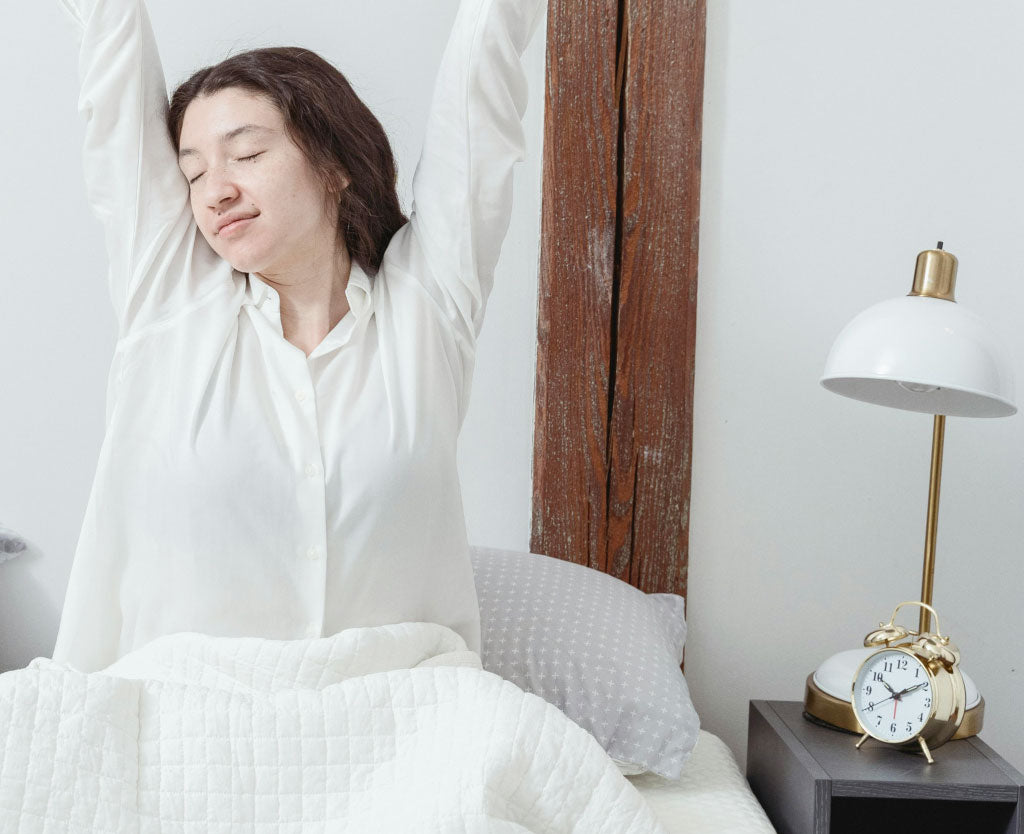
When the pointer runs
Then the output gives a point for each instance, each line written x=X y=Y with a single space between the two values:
x=840 y=139
x=57 y=336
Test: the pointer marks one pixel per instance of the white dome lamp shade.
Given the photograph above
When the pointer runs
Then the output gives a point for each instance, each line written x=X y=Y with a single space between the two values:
x=923 y=353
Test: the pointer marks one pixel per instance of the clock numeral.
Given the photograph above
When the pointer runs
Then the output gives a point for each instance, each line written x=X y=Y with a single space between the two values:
x=887 y=666
x=910 y=727
x=878 y=723
x=876 y=676
x=920 y=717
x=927 y=702
x=901 y=663
x=867 y=689
x=871 y=706
x=917 y=672
x=892 y=728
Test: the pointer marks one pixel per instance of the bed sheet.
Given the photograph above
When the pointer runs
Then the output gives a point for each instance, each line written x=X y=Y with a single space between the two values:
x=710 y=797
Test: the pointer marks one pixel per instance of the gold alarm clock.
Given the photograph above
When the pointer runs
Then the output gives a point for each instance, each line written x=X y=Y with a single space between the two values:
x=910 y=693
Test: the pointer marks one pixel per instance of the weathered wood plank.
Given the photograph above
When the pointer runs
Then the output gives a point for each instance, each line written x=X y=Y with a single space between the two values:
x=618 y=278
x=576 y=276
x=652 y=411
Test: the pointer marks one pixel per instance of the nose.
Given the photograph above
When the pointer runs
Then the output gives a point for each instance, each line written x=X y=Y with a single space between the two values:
x=220 y=189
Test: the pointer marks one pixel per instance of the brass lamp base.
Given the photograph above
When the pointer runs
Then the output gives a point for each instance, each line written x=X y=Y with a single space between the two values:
x=822 y=708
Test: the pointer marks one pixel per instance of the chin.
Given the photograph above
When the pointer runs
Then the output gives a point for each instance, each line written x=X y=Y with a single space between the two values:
x=245 y=261
x=243 y=265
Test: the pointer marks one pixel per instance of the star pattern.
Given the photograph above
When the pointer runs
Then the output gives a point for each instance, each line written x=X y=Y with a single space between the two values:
x=602 y=651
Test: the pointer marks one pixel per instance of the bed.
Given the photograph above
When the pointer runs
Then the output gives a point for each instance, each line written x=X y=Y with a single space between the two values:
x=388 y=728
x=711 y=796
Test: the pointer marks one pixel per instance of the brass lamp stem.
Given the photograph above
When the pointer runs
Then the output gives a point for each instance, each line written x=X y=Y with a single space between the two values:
x=934 y=481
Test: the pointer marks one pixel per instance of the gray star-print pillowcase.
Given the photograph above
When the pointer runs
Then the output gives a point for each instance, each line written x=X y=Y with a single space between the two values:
x=602 y=651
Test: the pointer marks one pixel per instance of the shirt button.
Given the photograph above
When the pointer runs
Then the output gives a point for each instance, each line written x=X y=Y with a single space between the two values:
x=300 y=395
x=311 y=469
x=313 y=553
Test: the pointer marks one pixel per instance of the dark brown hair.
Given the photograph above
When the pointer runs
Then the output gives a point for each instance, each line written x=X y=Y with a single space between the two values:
x=333 y=127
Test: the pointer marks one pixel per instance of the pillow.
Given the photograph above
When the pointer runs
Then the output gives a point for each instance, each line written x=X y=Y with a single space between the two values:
x=602 y=651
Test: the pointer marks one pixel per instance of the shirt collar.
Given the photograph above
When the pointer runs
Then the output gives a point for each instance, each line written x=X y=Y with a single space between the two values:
x=359 y=292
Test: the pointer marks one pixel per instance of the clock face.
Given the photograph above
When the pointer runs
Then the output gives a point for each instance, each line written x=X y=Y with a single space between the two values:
x=892 y=695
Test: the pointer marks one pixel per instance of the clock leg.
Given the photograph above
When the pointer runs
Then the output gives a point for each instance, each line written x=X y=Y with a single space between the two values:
x=863 y=738
x=926 y=751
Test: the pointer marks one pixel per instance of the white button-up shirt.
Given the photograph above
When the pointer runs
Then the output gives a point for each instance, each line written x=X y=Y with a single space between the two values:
x=243 y=488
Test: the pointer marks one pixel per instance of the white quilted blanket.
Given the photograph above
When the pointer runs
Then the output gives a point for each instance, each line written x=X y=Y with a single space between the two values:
x=386 y=729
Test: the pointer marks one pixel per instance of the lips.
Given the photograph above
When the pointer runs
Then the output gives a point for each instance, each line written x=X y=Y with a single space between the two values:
x=233 y=221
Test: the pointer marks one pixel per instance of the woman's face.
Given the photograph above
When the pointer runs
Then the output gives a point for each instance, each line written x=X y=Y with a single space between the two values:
x=241 y=163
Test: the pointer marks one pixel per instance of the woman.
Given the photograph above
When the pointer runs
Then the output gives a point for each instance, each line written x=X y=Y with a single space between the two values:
x=294 y=358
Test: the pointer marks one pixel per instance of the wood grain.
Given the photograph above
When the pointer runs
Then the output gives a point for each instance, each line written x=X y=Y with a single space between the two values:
x=618 y=282
x=576 y=278
x=652 y=405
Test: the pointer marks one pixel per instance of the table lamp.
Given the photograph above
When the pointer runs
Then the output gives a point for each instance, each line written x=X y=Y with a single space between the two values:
x=921 y=352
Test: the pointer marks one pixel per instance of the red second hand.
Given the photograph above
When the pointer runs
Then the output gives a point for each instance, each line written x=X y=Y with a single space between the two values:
x=895 y=704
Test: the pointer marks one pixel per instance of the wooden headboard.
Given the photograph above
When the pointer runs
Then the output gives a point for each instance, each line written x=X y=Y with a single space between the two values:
x=618 y=287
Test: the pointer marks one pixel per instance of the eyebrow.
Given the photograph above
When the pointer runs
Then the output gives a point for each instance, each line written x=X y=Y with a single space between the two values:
x=227 y=137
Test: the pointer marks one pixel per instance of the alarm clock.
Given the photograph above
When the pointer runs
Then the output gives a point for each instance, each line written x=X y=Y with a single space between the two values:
x=910 y=693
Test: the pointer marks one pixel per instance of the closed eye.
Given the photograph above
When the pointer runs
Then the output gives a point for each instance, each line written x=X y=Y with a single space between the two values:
x=240 y=159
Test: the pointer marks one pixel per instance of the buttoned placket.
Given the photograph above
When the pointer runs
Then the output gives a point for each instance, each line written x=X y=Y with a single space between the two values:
x=311 y=498
x=310 y=548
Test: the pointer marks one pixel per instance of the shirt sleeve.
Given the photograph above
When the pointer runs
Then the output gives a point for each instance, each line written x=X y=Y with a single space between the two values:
x=462 y=186
x=158 y=261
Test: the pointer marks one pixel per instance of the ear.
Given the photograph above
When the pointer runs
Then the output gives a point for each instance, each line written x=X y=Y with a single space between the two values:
x=340 y=180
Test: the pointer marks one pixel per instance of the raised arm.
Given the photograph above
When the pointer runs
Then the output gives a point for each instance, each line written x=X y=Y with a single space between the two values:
x=462 y=188
x=132 y=178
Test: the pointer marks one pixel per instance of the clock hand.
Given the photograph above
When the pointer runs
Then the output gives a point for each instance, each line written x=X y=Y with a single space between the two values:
x=910 y=689
x=893 y=691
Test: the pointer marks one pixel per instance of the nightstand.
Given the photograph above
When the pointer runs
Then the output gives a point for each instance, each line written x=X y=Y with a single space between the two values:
x=812 y=780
